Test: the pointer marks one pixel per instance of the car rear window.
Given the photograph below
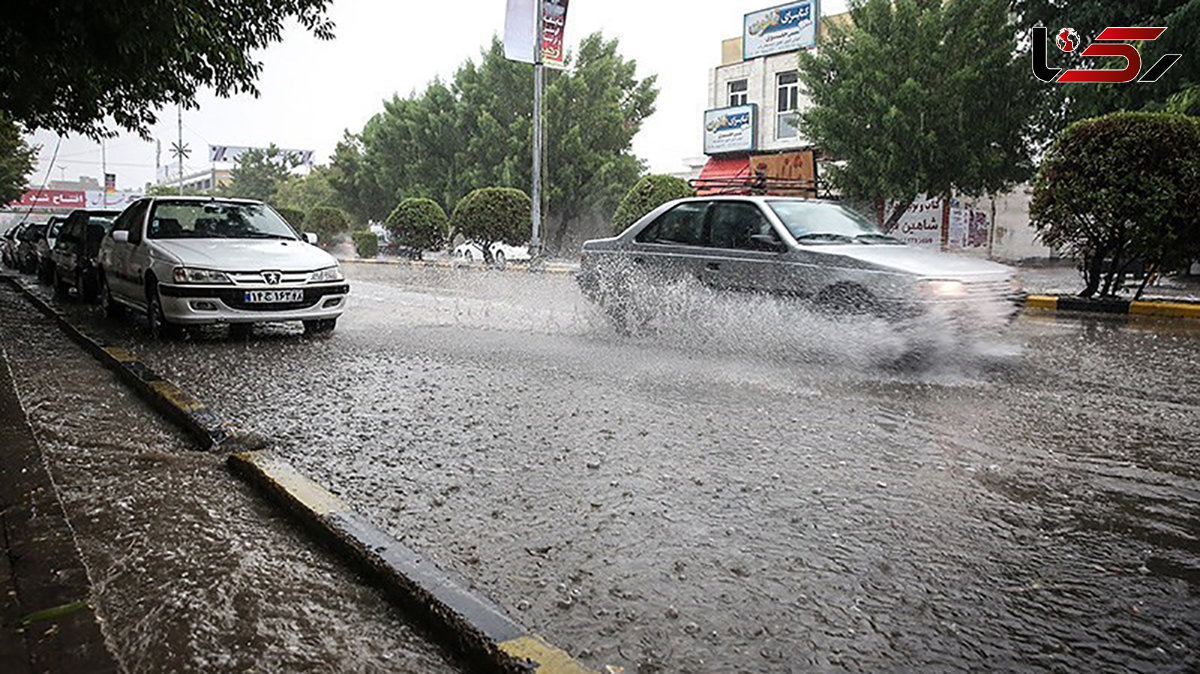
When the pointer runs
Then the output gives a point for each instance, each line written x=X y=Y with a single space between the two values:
x=683 y=225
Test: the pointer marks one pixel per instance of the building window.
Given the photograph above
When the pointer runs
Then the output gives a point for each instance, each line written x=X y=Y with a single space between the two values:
x=787 y=102
x=738 y=93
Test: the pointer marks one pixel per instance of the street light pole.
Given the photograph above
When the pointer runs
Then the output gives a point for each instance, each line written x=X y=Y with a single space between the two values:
x=539 y=83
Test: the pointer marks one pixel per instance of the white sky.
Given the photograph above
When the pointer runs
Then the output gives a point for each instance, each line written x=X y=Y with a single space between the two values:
x=312 y=90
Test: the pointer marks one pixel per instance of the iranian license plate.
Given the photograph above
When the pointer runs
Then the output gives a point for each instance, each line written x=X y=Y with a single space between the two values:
x=273 y=296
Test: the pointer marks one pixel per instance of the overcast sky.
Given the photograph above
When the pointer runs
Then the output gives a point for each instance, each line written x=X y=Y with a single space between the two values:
x=312 y=90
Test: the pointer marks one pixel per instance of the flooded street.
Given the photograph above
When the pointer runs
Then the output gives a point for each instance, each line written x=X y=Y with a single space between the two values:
x=742 y=488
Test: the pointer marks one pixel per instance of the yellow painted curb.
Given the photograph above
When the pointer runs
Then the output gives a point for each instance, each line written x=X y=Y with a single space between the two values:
x=1047 y=302
x=548 y=659
x=282 y=476
x=1170 y=309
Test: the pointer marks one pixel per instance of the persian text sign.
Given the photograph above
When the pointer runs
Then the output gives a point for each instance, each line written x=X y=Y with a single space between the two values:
x=780 y=29
x=921 y=224
x=519 y=29
x=731 y=129
x=51 y=199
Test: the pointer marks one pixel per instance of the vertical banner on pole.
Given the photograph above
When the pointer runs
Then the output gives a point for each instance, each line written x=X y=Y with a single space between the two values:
x=519 y=29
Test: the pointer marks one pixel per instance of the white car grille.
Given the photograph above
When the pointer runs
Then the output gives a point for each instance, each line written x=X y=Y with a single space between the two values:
x=259 y=278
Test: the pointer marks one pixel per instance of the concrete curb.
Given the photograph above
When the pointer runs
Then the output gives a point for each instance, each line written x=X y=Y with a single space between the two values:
x=476 y=625
x=441 y=264
x=1070 y=303
x=201 y=423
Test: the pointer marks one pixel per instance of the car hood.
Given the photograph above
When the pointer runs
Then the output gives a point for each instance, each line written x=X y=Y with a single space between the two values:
x=246 y=254
x=911 y=260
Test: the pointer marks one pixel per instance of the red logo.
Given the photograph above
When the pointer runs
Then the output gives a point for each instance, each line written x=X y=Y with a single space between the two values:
x=1112 y=41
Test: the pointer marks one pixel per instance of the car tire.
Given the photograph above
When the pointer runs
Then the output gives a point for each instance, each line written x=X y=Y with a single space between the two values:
x=240 y=331
x=61 y=289
x=156 y=321
x=322 y=326
x=500 y=259
x=110 y=306
x=846 y=299
x=86 y=290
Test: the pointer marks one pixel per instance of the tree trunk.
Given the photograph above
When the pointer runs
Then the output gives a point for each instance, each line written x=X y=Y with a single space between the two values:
x=1091 y=275
x=898 y=212
x=559 y=234
x=1149 y=273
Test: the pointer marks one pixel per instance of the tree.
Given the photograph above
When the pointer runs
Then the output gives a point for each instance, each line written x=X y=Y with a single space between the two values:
x=420 y=224
x=493 y=215
x=16 y=161
x=1121 y=188
x=259 y=173
x=67 y=67
x=303 y=192
x=294 y=217
x=921 y=97
x=366 y=243
x=328 y=223
x=646 y=195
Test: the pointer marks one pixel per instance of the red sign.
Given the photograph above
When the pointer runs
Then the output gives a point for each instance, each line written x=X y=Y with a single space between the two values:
x=1111 y=41
x=63 y=199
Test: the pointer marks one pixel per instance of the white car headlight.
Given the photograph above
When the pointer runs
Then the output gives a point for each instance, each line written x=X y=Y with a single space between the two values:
x=333 y=273
x=935 y=288
x=190 y=275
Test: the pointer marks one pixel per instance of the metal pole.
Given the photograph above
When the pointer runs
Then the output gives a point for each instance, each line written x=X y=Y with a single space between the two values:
x=180 y=117
x=104 y=173
x=539 y=83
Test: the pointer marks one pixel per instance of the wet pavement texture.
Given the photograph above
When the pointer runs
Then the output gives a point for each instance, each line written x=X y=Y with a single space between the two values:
x=190 y=570
x=749 y=487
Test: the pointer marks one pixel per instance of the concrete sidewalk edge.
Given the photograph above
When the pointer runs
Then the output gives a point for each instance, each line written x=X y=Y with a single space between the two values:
x=549 y=268
x=477 y=625
x=1071 y=303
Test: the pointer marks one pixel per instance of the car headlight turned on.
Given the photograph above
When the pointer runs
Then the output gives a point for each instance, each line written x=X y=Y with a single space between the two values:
x=942 y=289
x=326 y=275
x=191 y=275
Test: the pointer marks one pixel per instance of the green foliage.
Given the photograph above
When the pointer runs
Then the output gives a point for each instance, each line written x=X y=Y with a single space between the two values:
x=259 y=173
x=493 y=214
x=419 y=224
x=295 y=217
x=366 y=243
x=66 y=67
x=1122 y=187
x=303 y=192
x=16 y=161
x=476 y=132
x=921 y=97
x=646 y=195
x=327 y=222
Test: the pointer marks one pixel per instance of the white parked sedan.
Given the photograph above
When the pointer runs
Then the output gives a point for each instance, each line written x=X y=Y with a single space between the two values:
x=502 y=253
x=197 y=260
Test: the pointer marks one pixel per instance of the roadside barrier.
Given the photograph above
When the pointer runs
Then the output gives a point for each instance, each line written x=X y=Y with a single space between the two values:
x=1159 y=308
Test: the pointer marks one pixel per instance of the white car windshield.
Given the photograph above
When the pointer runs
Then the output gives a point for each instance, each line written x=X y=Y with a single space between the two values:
x=216 y=220
x=815 y=221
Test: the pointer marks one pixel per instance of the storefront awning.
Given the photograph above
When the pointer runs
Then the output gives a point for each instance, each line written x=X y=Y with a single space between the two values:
x=724 y=175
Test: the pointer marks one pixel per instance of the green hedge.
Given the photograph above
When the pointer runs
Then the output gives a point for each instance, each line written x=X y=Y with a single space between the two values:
x=366 y=243
x=420 y=224
x=294 y=216
x=494 y=214
x=646 y=195
x=327 y=223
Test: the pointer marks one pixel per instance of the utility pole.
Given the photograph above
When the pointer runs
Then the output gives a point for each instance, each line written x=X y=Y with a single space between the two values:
x=179 y=110
x=539 y=83
x=104 y=173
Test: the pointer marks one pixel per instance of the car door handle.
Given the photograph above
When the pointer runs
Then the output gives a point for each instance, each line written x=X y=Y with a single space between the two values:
x=713 y=266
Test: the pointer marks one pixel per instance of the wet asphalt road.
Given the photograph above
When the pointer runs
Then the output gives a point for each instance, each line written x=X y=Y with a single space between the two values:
x=745 y=488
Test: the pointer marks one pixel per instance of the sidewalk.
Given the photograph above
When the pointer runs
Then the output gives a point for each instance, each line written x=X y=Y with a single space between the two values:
x=48 y=624
x=1065 y=280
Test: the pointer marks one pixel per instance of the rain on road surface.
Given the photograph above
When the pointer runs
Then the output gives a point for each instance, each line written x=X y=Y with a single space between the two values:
x=745 y=489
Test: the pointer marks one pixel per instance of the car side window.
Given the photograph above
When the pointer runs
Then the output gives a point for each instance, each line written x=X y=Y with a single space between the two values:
x=131 y=221
x=683 y=224
x=733 y=223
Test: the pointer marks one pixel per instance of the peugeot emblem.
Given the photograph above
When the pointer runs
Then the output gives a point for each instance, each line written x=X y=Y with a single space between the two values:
x=272 y=277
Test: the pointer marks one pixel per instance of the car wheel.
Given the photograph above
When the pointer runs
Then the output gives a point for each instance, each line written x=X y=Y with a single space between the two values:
x=467 y=255
x=240 y=330
x=86 y=290
x=61 y=288
x=501 y=260
x=846 y=299
x=156 y=321
x=322 y=326
x=107 y=303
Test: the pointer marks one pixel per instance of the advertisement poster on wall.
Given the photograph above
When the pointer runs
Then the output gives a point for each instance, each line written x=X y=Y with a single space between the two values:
x=731 y=129
x=780 y=29
x=921 y=224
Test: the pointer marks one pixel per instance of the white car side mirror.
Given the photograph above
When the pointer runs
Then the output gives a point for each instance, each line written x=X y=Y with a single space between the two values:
x=120 y=236
x=310 y=238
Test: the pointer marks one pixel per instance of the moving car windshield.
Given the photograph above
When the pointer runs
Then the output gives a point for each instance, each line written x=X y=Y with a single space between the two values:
x=217 y=220
x=812 y=221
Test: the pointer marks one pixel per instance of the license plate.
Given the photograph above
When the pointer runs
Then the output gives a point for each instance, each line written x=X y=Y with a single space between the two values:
x=273 y=296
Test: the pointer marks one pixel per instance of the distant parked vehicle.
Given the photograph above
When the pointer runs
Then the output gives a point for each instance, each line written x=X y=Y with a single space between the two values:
x=8 y=245
x=26 y=252
x=44 y=245
x=74 y=261
x=502 y=253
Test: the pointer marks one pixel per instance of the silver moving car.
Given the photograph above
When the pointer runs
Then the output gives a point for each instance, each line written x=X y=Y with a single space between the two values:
x=820 y=251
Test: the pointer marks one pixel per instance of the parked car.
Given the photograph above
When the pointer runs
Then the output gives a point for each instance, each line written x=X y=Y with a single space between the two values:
x=818 y=250
x=197 y=260
x=8 y=245
x=44 y=266
x=502 y=253
x=26 y=252
x=74 y=261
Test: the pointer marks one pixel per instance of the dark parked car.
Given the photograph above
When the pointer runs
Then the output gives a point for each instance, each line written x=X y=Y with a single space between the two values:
x=42 y=247
x=26 y=252
x=8 y=245
x=73 y=261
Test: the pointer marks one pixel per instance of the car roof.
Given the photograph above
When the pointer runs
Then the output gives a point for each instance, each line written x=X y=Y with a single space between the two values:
x=757 y=199
x=226 y=200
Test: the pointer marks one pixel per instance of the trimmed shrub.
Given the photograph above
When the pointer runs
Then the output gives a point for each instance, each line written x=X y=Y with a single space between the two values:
x=493 y=214
x=420 y=224
x=294 y=216
x=328 y=223
x=646 y=195
x=366 y=243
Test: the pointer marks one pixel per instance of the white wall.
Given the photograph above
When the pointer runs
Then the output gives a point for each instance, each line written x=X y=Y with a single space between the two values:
x=760 y=77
